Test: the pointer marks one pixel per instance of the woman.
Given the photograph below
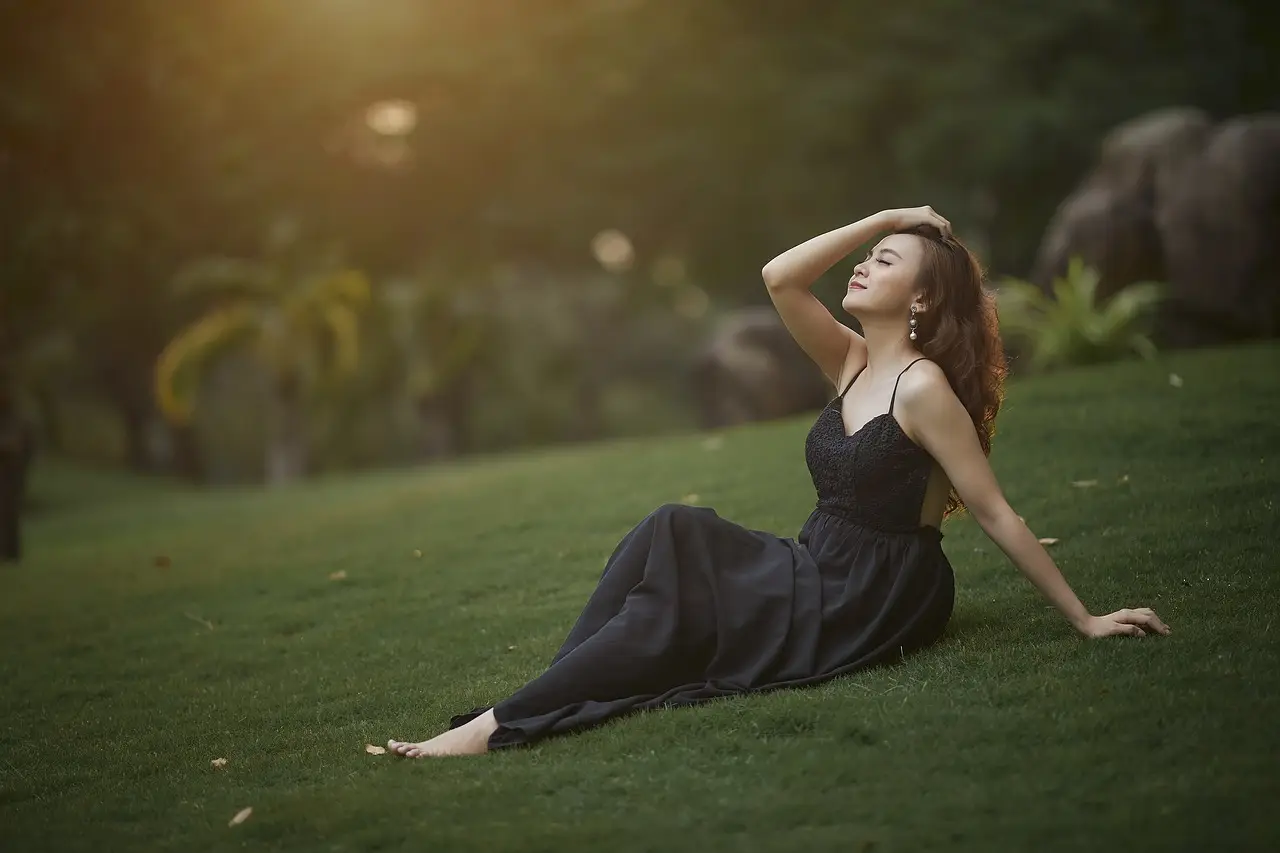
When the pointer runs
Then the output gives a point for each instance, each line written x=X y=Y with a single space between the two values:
x=692 y=607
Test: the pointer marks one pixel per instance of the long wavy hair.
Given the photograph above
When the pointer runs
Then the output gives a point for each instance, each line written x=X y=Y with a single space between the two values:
x=960 y=332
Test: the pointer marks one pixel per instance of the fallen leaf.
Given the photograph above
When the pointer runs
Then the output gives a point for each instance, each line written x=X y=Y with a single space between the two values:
x=715 y=442
x=691 y=498
x=1084 y=484
x=195 y=618
x=1175 y=380
x=511 y=648
x=339 y=575
x=163 y=562
x=1124 y=479
x=241 y=816
x=219 y=762
x=417 y=554
x=374 y=750
x=1048 y=540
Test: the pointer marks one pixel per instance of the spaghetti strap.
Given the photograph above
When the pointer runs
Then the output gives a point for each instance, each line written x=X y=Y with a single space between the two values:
x=851 y=381
x=899 y=379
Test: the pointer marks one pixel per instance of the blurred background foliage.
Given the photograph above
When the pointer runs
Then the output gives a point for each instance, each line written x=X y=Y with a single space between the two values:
x=1070 y=325
x=506 y=223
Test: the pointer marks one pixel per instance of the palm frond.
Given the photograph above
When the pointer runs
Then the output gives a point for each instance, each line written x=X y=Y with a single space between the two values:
x=182 y=364
x=1072 y=327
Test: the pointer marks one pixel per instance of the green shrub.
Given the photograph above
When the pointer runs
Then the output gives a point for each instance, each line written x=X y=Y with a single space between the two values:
x=1072 y=327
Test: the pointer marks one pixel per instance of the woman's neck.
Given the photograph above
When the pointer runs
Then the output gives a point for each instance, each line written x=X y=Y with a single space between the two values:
x=888 y=343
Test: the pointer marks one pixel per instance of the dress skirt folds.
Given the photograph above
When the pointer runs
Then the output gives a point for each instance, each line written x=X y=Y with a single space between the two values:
x=693 y=607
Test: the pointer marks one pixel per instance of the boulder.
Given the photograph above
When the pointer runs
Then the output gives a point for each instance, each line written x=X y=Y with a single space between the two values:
x=753 y=370
x=1220 y=228
x=1109 y=220
x=1175 y=198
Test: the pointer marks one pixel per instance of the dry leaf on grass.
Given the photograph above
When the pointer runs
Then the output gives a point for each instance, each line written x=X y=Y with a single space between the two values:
x=339 y=575
x=219 y=762
x=417 y=554
x=374 y=750
x=1084 y=484
x=163 y=562
x=195 y=618
x=691 y=498
x=715 y=442
x=1047 y=540
x=1175 y=380
x=241 y=816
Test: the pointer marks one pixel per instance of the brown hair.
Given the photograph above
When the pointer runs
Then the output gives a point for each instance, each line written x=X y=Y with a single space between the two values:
x=960 y=331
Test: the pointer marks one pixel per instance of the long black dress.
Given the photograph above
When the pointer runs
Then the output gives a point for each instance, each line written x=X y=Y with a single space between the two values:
x=693 y=607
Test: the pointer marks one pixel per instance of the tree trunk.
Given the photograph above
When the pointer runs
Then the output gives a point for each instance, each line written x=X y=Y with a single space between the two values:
x=15 y=455
x=286 y=455
x=187 y=462
x=442 y=418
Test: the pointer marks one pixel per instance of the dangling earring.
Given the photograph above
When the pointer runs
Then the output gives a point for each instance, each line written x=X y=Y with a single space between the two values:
x=913 y=322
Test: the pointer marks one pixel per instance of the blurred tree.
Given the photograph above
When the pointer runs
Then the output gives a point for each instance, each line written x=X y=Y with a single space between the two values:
x=15 y=457
x=137 y=136
x=299 y=318
x=435 y=336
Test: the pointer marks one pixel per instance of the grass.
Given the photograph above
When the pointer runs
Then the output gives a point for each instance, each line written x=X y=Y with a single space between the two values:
x=124 y=675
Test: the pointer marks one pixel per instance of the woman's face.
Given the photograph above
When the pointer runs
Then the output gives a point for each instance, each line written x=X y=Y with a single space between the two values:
x=885 y=282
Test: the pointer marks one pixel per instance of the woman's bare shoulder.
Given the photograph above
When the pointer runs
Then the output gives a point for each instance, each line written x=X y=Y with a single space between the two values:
x=925 y=387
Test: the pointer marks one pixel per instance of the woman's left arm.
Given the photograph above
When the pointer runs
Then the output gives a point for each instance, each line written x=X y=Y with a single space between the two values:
x=932 y=415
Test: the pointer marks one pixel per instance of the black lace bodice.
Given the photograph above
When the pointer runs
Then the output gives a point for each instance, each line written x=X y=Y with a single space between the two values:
x=876 y=477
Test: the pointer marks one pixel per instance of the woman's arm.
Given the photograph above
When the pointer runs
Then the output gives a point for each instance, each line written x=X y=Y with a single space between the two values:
x=932 y=415
x=790 y=275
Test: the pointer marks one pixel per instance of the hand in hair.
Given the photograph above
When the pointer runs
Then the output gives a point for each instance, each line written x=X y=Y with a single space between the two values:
x=913 y=217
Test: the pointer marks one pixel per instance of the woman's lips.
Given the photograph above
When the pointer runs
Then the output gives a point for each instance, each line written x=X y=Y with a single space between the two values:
x=855 y=285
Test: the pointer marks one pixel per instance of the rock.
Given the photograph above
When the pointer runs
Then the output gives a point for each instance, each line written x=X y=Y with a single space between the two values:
x=1219 y=225
x=1109 y=221
x=1177 y=199
x=753 y=370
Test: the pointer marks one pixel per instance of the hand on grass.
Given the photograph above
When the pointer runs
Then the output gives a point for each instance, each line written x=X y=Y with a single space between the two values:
x=1137 y=622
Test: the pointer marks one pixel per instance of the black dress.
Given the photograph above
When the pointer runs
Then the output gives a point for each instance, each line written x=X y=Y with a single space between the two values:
x=693 y=607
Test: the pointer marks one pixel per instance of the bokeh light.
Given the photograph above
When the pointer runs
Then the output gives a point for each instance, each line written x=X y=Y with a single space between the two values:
x=394 y=117
x=613 y=250
x=669 y=271
x=692 y=302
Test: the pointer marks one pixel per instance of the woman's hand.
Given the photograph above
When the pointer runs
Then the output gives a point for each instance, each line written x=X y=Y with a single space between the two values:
x=909 y=217
x=1136 y=623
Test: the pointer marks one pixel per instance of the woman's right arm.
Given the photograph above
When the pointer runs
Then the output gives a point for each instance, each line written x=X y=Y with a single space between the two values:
x=790 y=275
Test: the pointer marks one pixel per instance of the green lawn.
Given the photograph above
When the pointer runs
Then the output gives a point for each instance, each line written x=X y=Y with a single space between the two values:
x=123 y=678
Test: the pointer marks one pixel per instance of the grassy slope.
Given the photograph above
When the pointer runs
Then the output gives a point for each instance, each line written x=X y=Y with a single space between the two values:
x=1010 y=734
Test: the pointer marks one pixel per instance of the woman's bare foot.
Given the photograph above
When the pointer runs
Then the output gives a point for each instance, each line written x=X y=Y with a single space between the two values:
x=469 y=739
